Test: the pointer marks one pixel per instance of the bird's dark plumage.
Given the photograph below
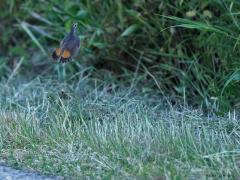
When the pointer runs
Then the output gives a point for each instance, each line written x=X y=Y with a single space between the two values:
x=69 y=46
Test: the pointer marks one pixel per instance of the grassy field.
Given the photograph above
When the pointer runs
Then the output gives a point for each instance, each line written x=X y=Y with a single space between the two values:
x=141 y=100
x=85 y=129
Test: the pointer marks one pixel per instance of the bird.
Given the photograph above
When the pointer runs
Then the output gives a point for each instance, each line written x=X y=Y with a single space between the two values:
x=69 y=46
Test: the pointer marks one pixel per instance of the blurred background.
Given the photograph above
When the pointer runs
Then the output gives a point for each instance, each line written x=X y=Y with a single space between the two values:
x=185 y=50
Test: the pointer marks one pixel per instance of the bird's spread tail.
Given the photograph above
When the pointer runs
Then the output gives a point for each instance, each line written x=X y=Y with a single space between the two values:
x=62 y=55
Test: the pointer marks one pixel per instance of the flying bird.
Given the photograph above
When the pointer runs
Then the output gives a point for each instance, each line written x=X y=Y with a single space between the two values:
x=69 y=46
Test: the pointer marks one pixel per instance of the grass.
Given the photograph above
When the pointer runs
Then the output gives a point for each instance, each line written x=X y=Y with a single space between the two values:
x=189 y=48
x=86 y=129
x=122 y=124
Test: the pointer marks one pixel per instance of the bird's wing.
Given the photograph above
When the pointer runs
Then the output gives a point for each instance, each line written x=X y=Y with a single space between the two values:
x=78 y=42
x=64 y=41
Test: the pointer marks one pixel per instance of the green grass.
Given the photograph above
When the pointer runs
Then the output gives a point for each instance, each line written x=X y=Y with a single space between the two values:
x=188 y=48
x=129 y=100
x=89 y=131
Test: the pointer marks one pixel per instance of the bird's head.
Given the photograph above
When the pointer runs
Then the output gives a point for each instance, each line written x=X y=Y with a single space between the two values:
x=74 y=27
